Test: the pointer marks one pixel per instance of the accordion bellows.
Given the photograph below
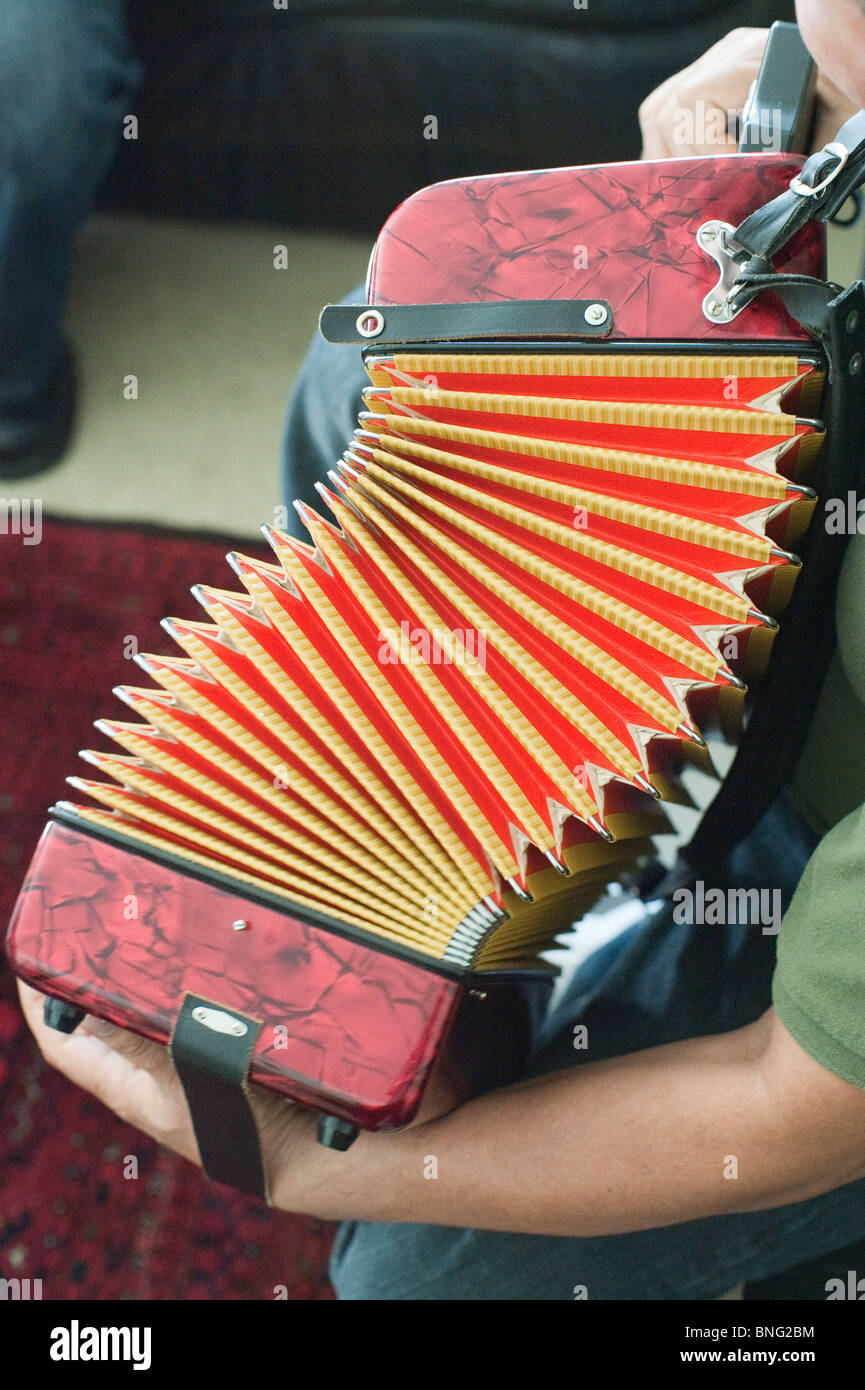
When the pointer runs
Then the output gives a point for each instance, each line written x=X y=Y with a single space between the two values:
x=446 y=721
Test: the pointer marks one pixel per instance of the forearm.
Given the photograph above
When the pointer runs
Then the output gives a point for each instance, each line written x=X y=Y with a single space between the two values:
x=736 y=1122
x=654 y=1138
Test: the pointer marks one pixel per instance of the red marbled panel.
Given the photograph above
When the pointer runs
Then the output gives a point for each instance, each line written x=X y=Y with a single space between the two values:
x=517 y=236
x=361 y=1028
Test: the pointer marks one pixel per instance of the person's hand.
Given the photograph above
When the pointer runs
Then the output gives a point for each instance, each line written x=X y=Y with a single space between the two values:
x=693 y=112
x=137 y=1080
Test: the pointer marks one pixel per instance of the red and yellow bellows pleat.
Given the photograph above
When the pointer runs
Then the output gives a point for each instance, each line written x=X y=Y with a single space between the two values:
x=447 y=721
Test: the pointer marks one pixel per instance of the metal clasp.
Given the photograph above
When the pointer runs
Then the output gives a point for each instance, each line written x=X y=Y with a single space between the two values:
x=805 y=190
x=716 y=239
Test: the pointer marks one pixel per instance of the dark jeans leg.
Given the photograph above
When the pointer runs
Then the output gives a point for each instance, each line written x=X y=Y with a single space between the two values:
x=322 y=417
x=65 y=81
x=674 y=978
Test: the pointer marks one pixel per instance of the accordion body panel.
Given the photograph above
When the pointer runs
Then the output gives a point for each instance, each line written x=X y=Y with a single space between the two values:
x=348 y=1029
x=353 y=1021
x=624 y=233
x=127 y=938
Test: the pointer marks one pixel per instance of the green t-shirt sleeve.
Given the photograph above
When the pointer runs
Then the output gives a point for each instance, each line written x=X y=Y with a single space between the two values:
x=819 y=985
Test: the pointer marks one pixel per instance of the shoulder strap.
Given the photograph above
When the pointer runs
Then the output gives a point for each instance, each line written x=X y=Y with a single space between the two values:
x=819 y=191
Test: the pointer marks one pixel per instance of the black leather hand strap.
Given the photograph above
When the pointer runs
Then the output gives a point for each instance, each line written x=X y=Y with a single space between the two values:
x=839 y=166
x=380 y=325
x=212 y=1049
x=807 y=299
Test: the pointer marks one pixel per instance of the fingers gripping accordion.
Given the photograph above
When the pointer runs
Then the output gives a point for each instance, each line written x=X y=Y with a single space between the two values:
x=391 y=765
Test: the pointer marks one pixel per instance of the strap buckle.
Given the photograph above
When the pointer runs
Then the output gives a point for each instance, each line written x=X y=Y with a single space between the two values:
x=805 y=190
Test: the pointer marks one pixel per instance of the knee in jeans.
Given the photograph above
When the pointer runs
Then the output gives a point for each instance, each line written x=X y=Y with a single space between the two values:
x=64 y=83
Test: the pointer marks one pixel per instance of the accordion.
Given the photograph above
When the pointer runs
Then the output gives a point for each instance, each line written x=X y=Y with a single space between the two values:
x=391 y=765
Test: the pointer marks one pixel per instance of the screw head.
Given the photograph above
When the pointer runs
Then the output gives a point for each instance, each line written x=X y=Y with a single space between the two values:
x=596 y=314
x=715 y=308
x=852 y=321
x=708 y=234
x=240 y=925
x=855 y=366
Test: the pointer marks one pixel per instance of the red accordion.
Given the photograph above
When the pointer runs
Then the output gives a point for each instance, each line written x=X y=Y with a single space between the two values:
x=394 y=764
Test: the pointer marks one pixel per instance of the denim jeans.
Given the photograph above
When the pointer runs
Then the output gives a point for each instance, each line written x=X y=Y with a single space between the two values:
x=322 y=417
x=65 y=81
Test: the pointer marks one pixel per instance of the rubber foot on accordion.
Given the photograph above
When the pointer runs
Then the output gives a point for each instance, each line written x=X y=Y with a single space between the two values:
x=62 y=1017
x=335 y=1134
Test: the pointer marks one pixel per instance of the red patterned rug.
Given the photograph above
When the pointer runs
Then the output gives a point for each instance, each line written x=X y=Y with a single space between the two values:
x=67 y=1216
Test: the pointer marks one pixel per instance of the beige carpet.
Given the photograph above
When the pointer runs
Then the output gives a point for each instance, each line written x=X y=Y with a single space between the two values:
x=214 y=335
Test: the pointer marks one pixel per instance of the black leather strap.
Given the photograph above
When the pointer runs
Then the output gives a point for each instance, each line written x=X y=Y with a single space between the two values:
x=388 y=325
x=806 y=298
x=212 y=1048
x=771 y=227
